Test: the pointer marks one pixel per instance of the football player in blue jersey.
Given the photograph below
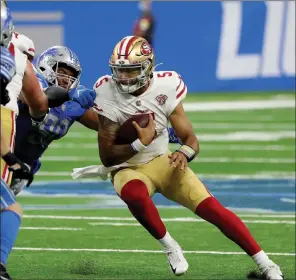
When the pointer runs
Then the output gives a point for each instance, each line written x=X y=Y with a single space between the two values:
x=57 y=66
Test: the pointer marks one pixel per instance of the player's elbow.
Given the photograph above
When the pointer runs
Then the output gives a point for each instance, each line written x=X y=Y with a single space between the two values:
x=107 y=161
x=106 y=158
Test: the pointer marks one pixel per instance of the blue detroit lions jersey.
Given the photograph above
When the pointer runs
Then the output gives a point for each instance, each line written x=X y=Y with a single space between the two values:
x=31 y=142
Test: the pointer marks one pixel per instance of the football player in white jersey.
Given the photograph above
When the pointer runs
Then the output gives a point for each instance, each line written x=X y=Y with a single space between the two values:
x=147 y=164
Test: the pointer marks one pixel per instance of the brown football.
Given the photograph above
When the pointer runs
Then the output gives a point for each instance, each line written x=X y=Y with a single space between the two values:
x=127 y=133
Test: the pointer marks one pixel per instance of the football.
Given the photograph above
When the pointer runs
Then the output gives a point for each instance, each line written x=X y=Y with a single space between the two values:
x=127 y=133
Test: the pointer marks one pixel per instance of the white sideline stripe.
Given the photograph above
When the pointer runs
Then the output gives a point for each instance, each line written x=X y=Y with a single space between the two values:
x=248 y=136
x=259 y=175
x=180 y=219
x=196 y=221
x=238 y=105
x=231 y=136
x=72 y=145
x=50 y=228
x=242 y=126
x=37 y=16
x=115 y=224
x=138 y=251
x=199 y=159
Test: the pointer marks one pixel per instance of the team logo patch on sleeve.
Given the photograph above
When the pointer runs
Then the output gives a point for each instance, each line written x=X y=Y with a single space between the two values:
x=146 y=49
x=161 y=99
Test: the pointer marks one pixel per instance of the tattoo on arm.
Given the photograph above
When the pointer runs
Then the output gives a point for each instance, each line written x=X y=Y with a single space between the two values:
x=110 y=153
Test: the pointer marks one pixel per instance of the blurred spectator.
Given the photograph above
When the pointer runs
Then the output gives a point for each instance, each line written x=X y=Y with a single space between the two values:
x=145 y=24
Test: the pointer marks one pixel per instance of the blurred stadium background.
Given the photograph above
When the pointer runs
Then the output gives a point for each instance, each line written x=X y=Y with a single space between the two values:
x=238 y=60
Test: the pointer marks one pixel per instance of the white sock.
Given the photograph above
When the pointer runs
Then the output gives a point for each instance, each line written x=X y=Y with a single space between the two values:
x=261 y=259
x=167 y=240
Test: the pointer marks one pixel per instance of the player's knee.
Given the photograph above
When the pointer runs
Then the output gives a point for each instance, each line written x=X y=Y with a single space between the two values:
x=134 y=191
x=16 y=208
x=209 y=204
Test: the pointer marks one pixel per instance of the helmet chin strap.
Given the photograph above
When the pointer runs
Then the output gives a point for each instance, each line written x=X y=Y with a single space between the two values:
x=157 y=66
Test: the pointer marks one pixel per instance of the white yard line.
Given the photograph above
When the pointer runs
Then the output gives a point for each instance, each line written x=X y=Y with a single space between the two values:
x=238 y=105
x=242 y=126
x=50 y=228
x=120 y=219
x=140 y=251
x=247 y=136
x=195 y=221
x=115 y=224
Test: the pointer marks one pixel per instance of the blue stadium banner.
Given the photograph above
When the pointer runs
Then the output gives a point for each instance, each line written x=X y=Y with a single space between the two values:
x=215 y=46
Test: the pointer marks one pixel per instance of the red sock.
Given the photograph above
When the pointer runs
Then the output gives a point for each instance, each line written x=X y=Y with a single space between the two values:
x=231 y=225
x=136 y=196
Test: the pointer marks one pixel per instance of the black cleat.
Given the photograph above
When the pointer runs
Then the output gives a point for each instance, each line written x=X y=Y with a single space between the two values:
x=3 y=273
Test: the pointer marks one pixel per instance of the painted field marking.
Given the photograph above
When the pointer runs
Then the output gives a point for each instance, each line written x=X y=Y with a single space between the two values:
x=181 y=219
x=140 y=251
x=50 y=228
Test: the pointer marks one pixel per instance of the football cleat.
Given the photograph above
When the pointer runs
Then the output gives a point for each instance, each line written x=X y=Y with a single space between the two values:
x=272 y=272
x=3 y=273
x=176 y=259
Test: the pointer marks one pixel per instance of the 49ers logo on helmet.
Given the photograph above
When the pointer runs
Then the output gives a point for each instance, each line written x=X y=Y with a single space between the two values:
x=146 y=49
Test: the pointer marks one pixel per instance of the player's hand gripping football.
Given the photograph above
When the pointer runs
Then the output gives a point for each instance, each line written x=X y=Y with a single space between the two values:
x=147 y=134
x=178 y=159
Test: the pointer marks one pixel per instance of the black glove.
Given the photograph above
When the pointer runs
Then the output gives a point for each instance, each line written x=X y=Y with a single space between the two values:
x=23 y=172
x=4 y=92
x=56 y=96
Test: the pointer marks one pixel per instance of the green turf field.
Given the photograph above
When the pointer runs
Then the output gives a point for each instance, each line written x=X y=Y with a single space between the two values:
x=101 y=244
x=62 y=242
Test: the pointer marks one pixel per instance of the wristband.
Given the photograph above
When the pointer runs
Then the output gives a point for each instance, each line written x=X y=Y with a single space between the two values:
x=138 y=146
x=188 y=152
x=10 y=159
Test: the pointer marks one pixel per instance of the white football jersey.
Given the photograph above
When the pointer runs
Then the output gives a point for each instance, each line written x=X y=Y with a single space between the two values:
x=165 y=92
x=15 y=86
